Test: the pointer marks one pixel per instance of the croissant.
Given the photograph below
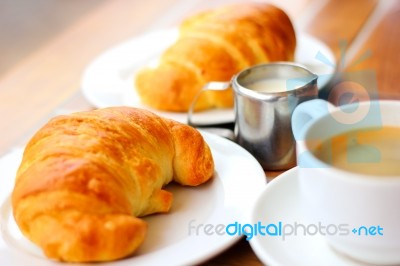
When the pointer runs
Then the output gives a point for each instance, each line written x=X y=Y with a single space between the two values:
x=86 y=177
x=213 y=46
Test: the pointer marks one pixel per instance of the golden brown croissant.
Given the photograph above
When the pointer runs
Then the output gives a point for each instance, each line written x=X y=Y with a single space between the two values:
x=213 y=46
x=85 y=177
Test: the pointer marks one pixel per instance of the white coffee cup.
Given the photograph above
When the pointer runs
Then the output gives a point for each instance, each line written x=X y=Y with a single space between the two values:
x=347 y=200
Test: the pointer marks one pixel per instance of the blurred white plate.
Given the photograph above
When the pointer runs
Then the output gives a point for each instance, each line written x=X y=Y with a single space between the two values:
x=109 y=79
x=227 y=198
x=280 y=202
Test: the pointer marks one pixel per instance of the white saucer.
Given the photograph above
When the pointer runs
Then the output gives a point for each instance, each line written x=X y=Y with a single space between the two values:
x=280 y=203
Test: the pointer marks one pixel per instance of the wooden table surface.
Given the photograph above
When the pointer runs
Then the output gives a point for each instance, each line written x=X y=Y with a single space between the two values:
x=363 y=34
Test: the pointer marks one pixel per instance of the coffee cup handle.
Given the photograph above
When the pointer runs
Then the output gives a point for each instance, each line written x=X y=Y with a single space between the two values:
x=307 y=112
x=210 y=86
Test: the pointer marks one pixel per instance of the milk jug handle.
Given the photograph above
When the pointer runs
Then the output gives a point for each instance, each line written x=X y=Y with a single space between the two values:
x=210 y=86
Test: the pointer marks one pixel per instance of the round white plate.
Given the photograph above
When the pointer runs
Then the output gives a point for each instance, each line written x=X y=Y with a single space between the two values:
x=109 y=79
x=280 y=203
x=226 y=199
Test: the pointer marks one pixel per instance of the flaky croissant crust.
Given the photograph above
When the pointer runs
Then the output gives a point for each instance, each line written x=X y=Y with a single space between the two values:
x=213 y=46
x=86 y=177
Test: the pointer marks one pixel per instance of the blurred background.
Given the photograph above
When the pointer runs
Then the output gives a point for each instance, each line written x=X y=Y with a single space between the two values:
x=27 y=25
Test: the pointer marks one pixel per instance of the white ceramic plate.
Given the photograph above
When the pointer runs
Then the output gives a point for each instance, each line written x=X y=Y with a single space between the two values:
x=280 y=203
x=226 y=199
x=108 y=80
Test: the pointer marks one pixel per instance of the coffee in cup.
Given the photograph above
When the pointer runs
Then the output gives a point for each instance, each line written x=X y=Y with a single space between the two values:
x=349 y=175
x=371 y=151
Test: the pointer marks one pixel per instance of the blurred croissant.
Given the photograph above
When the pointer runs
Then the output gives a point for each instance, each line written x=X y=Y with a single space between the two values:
x=213 y=46
x=86 y=177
